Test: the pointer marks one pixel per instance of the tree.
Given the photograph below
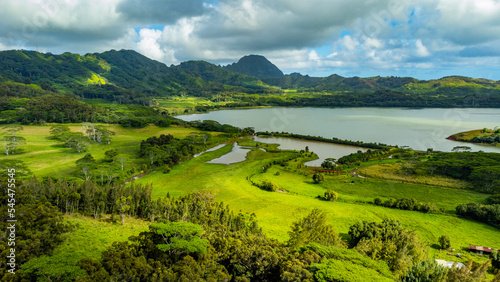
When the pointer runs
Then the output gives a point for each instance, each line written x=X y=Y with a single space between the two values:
x=444 y=242
x=10 y=143
x=318 y=177
x=122 y=159
x=123 y=205
x=329 y=163
x=180 y=237
x=56 y=131
x=86 y=165
x=425 y=271
x=313 y=229
x=110 y=155
x=389 y=242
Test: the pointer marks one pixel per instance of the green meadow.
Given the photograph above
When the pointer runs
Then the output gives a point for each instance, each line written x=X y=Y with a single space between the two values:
x=232 y=184
x=276 y=211
x=181 y=105
x=47 y=157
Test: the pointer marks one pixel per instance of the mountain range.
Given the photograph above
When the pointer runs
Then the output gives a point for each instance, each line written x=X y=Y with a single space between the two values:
x=128 y=74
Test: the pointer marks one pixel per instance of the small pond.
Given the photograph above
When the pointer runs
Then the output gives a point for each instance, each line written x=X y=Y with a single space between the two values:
x=238 y=154
x=322 y=149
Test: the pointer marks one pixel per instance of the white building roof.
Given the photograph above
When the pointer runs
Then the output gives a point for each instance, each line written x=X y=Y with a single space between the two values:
x=449 y=264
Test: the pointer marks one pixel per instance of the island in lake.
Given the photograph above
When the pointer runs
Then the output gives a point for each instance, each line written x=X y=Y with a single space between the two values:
x=481 y=136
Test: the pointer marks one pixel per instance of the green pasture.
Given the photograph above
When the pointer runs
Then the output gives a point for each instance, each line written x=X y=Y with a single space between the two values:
x=89 y=238
x=178 y=105
x=48 y=157
x=277 y=210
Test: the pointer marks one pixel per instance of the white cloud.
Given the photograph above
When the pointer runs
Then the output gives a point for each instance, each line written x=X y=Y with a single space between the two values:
x=375 y=35
x=148 y=43
x=420 y=49
x=349 y=42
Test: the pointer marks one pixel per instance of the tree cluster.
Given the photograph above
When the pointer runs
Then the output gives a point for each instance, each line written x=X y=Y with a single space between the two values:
x=390 y=242
x=410 y=204
x=481 y=169
x=489 y=214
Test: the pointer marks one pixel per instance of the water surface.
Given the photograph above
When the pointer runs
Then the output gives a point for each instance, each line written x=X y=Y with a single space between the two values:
x=417 y=128
x=238 y=154
x=322 y=149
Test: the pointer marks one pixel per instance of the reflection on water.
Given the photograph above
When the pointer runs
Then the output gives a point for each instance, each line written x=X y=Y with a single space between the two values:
x=238 y=154
x=323 y=150
x=209 y=150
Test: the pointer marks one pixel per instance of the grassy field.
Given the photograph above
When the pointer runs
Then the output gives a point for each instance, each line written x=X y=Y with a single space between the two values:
x=89 y=238
x=178 y=105
x=276 y=211
x=47 y=157
x=393 y=171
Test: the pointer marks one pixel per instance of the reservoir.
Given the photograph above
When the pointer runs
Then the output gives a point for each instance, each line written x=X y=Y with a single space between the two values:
x=419 y=129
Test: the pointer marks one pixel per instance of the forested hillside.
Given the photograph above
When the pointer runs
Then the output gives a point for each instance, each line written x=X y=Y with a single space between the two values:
x=29 y=79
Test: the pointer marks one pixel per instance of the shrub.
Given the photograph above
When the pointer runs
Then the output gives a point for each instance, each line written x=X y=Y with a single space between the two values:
x=318 y=177
x=269 y=186
x=331 y=195
x=444 y=242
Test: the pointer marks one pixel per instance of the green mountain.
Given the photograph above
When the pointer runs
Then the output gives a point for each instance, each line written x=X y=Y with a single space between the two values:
x=124 y=76
x=218 y=75
x=449 y=86
x=255 y=65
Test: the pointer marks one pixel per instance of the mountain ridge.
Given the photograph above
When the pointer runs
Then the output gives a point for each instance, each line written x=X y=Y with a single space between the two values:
x=132 y=75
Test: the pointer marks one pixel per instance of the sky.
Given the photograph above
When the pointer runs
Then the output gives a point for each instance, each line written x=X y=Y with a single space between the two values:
x=426 y=39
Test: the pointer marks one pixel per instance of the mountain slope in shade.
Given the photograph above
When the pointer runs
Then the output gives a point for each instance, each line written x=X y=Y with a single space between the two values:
x=255 y=65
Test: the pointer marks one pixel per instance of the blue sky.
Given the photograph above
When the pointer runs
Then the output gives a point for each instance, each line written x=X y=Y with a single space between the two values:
x=425 y=39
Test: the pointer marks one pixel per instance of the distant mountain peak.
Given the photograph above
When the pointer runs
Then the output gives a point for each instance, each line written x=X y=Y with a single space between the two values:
x=255 y=65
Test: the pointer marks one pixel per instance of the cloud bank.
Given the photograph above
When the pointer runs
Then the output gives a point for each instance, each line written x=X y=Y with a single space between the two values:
x=425 y=38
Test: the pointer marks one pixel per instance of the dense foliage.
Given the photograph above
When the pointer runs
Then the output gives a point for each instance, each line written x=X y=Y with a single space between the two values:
x=486 y=213
x=322 y=139
x=390 y=242
x=39 y=227
x=410 y=204
x=481 y=169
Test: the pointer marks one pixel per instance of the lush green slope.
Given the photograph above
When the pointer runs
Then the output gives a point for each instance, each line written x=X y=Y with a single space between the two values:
x=449 y=86
x=276 y=211
x=115 y=73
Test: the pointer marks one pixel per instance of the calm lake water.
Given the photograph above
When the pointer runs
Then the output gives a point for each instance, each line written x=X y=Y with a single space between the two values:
x=238 y=154
x=417 y=128
x=322 y=149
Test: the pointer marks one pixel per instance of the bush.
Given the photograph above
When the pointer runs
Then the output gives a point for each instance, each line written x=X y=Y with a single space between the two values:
x=167 y=169
x=444 y=242
x=377 y=201
x=269 y=186
x=318 y=177
x=493 y=200
x=331 y=195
